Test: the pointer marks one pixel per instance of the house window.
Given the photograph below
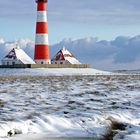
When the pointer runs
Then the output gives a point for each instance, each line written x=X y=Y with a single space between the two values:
x=7 y=63
x=13 y=63
x=55 y=62
x=61 y=62
x=42 y=62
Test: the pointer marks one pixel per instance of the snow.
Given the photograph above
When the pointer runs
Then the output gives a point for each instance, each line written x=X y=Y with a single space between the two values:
x=68 y=105
x=52 y=72
x=132 y=137
x=65 y=55
x=72 y=60
x=17 y=54
x=23 y=57
x=64 y=51
x=69 y=57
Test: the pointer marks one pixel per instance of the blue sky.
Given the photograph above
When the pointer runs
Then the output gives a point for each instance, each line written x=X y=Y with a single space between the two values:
x=105 y=19
x=103 y=33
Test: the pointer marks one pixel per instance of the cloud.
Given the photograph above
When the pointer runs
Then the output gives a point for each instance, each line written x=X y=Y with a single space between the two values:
x=96 y=11
x=2 y=41
x=120 y=53
x=128 y=49
x=25 y=44
x=84 y=11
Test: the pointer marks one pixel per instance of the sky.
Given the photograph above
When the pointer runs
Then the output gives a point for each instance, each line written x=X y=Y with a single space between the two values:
x=96 y=22
x=105 y=19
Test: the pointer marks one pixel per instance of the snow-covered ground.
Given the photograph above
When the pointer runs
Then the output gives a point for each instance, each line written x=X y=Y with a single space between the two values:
x=51 y=72
x=87 y=105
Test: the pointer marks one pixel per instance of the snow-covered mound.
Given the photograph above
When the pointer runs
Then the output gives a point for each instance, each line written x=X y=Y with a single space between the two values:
x=51 y=72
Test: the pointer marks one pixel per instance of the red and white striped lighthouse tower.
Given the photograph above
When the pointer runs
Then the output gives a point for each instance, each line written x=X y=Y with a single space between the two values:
x=42 y=55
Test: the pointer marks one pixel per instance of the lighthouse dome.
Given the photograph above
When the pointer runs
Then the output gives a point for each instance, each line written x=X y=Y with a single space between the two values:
x=41 y=0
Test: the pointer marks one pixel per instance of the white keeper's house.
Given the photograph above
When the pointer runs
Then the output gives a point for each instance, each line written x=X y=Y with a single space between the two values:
x=17 y=56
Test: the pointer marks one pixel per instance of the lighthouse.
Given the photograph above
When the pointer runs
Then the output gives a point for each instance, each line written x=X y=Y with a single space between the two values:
x=41 y=55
